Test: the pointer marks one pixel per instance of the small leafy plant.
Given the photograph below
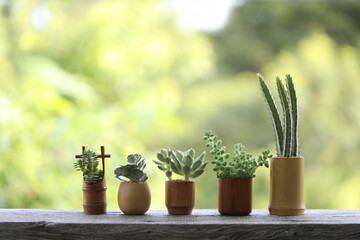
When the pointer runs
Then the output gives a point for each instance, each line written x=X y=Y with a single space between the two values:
x=182 y=163
x=242 y=165
x=286 y=132
x=132 y=172
x=88 y=164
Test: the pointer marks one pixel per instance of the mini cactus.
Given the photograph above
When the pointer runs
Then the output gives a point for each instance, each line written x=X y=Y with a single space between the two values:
x=133 y=171
x=182 y=163
x=286 y=135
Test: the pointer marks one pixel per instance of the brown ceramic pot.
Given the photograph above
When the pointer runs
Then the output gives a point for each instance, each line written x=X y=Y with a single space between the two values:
x=287 y=186
x=235 y=196
x=134 y=198
x=180 y=197
x=95 y=198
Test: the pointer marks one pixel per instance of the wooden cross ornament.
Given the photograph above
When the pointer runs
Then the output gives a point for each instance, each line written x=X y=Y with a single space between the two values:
x=102 y=156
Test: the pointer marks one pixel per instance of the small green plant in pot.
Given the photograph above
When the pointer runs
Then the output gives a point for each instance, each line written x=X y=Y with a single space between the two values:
x=94 y=181
x=134 y=195
x=235 y=175
x=180 y=194
x=287 y=168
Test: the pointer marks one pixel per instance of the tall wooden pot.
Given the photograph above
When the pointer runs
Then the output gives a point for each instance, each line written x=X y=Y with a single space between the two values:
x=180 y=197
x=94 y=197
x=235 y=196
x=287 y=186
x=134 y=198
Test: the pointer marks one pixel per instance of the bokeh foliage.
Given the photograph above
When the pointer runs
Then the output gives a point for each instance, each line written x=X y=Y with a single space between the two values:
x=121 y=74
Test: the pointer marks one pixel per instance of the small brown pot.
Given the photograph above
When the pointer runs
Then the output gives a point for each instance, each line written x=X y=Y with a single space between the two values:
x=287 y=186
x=94 y=196
x=180 y=197
x=134 y=198
x=235 y=196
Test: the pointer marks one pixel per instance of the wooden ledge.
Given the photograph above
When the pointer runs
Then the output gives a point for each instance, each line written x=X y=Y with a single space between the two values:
x=157 y=224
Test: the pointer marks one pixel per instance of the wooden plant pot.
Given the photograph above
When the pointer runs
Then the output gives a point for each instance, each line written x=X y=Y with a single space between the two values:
x=235 y=196
x=134 y=198
x=94 y=196
x=180 y=197
x=287 y=186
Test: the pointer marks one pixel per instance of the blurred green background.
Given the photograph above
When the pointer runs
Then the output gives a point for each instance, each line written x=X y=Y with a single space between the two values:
x=137 y=76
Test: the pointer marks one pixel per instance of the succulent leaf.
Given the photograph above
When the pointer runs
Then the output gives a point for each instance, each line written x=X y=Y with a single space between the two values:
x=196 y=165
x=161 y=157
x=191 y=152
x=188 y=160
x=197 y=173
x=186 y=170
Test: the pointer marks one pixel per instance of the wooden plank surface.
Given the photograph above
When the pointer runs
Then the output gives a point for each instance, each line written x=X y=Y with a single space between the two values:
x=157 y=224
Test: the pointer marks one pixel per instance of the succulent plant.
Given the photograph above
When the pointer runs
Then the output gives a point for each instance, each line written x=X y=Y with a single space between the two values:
x=133 y=171
x=88 y=164
x=286 y=133
x=164 y=157
x=182 y=163
x=242 y=165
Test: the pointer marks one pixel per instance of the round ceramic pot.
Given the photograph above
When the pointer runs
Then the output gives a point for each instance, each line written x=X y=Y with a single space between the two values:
x=235 y=196
x=287 y=186
x=134 y=198
x=180 y=197
x=94 y=196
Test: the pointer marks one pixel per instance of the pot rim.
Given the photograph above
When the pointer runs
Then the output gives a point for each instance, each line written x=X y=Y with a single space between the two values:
x=130 y=182
x=180 y=181
x=278 y=157
x=238 y=178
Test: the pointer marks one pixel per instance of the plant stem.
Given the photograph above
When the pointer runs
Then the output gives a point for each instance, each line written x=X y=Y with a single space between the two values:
x=187 y=178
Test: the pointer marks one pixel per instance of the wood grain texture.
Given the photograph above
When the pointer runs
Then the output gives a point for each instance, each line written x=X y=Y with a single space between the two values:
x=180 y=197
x=157 y=224
x=235 y=196
x=287 y=186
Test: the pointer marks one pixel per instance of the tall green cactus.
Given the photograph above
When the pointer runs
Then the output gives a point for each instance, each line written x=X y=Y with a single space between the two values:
x=295 y=115
x=274 y=114
x=287 y=118
x=286 y=135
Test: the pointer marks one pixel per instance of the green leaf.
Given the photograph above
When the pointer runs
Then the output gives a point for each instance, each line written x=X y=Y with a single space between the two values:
x=175 y=169
x=196 y=165
x=164 y=151
x=197 y=174
x=161 y=157
x=295 y=115
x=186 y=170
x=191 y=152
x=287 y=118
x=168 y=174
x=158 y=163
x=179 y=155
x=187 y=160
x=201 y=157
x=162 y=167
x=203 y=166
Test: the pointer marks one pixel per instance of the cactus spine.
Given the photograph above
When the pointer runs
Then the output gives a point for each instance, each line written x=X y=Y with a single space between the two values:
x=286 y=134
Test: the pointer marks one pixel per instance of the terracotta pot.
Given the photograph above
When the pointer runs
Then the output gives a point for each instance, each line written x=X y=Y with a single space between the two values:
x=287 y=186
x=180 y=197
x=235 y=196
x=134 y=198
x=94 y=196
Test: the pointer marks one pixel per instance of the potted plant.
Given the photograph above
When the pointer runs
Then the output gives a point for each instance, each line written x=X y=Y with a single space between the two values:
x=235 y=176
x=94 y=181
x=180 y=194
x=287 y=168
x=134 y=192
